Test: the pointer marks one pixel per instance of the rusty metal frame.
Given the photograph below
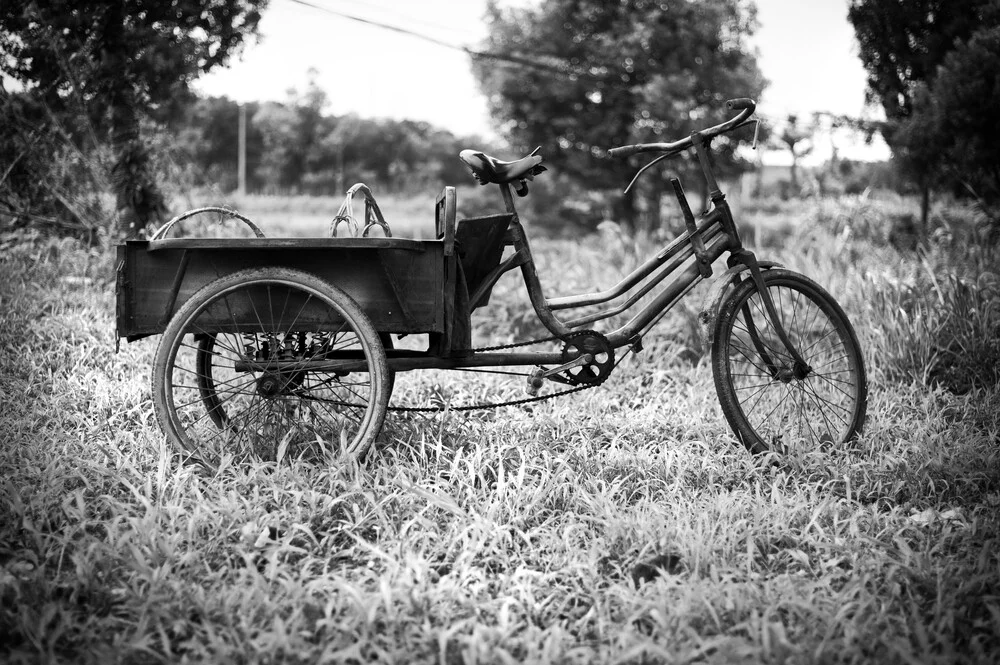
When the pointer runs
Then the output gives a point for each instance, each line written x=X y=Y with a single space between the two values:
x=678 y=260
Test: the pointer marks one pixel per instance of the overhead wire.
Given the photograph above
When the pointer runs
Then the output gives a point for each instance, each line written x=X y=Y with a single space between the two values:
x=564 y=70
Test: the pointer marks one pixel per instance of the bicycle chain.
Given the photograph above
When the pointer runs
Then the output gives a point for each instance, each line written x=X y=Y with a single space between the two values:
x=496 y=405
x=492 y=405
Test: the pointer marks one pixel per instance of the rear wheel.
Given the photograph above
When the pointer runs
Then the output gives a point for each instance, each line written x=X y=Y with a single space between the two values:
x=253 y=364
x=769 y=400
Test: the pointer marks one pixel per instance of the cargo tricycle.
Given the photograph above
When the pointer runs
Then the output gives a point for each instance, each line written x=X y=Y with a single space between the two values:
x=273 y=347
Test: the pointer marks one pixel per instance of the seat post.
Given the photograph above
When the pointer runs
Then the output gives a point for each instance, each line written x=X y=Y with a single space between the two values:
x=528 y=272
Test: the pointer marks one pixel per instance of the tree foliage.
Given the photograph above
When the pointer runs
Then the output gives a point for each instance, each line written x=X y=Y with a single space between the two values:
x=955 y=119
x=932 y=65
x=902 y=43
x=113 y=62
x=296 y=147
x=580 y=76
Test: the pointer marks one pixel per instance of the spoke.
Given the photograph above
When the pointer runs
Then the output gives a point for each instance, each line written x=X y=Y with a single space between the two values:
x=209 y=376
x=295 y=320
x=795 y=311
x=329 y=388
x=811 y=395
x=835 y=386
x=807 y=349
x=348 y=389
x=810 y=390
x=760 y=333
x=751 y=387
x=772 y=326
x=335 y=381
x=270 y=307
x=830 y=376
x=752 y=408
x=756 y=394
x=255 y=412
x=833 y=360
x=750 y=360
x=232 y=317
x=817 y=312
x=256 y=314
x=805 y=416
x=178 y=407
x=779 y=403
x=353 y=417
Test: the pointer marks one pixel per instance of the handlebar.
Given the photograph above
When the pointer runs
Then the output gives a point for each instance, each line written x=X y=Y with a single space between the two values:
x=744 y=105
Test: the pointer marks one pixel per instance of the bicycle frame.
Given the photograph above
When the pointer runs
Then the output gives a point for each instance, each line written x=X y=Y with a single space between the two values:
x=716 y=229
x=705 y=241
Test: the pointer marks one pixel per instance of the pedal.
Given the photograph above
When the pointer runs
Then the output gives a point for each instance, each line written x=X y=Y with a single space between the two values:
x=535 y=382
x=537 y=377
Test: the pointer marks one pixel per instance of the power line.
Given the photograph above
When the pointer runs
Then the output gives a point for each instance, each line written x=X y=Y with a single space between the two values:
x=565 y=71
x=380 y=24
x=408 y=18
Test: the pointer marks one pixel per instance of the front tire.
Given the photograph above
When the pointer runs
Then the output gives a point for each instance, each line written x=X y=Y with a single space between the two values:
x=770 y=404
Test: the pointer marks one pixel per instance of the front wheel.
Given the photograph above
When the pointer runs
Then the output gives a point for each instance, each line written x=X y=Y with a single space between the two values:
x=770 y=401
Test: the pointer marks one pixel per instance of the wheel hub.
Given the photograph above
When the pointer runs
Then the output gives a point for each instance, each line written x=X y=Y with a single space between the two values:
x=271 y=384
x=797 y=372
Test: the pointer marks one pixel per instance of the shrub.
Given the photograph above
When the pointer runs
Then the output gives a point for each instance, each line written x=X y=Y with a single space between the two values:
x=940 y=330
x=49 y=183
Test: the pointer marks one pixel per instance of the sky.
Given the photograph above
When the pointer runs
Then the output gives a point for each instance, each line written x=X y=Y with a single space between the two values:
x=806 y=50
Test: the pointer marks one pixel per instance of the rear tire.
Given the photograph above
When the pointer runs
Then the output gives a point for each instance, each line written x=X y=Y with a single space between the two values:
x=214 y=397
x=769 y=406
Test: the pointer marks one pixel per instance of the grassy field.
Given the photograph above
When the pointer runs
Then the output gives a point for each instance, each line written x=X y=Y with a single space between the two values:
x=619 y=525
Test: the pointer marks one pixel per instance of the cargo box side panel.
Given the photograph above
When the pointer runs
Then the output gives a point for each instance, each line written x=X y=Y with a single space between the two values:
x=401 y=291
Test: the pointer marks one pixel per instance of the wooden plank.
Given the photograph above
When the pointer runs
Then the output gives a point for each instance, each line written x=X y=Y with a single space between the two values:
x=256 y=244
x=148 y=281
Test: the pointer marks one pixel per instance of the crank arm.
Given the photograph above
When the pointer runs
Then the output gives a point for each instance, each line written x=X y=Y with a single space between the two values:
x=536 y=378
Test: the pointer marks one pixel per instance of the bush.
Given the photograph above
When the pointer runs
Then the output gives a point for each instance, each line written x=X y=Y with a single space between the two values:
x=49 y=183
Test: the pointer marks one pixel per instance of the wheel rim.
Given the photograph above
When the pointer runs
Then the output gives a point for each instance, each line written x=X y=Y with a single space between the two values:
x=783 y=402
x=235 y=382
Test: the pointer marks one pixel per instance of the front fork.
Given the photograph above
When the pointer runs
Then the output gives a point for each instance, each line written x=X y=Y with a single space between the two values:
x=800 y=368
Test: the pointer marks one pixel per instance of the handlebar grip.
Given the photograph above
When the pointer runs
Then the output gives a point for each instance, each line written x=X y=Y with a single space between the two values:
x=741 y=103
x=624 y=151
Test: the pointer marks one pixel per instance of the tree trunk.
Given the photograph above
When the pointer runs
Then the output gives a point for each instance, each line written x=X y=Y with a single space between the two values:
x=138 y=200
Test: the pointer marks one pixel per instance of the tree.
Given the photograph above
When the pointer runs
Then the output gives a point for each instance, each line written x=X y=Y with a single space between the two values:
x=117 y=61
x=797 y=138
x=207 y=136
x=902 y=45
x=580 y=76
x=955 y=119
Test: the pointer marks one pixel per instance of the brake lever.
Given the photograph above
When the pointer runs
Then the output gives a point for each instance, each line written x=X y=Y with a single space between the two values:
x=640 y=171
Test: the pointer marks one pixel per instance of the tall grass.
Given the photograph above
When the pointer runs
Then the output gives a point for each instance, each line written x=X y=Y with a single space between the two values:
x=622 y=524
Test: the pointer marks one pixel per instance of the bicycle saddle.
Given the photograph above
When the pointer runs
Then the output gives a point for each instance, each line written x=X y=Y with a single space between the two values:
x=488 y=169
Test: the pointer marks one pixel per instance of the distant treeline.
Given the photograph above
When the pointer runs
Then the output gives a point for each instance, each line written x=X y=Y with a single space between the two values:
x=296 y=148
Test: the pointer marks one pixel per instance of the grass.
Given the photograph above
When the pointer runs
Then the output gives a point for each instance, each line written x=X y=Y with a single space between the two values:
x=620 y=525
x=305 y=216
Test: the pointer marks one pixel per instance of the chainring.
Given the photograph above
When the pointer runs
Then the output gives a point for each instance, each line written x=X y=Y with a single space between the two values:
x=592 y=343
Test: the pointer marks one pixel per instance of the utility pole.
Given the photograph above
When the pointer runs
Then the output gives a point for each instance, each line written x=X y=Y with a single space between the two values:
x=241 y=161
